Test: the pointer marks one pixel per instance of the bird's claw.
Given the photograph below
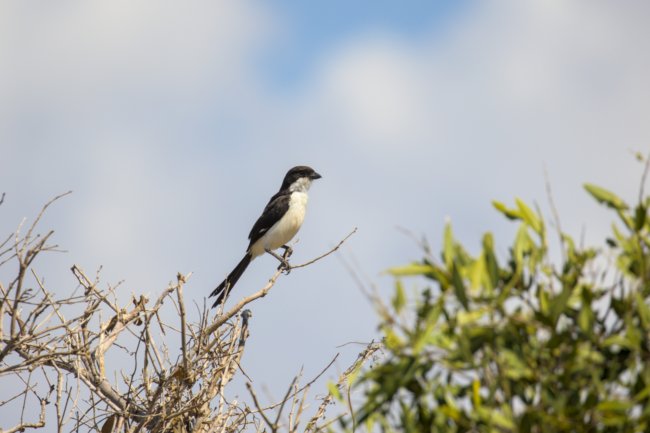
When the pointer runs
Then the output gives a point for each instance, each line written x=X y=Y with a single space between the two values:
x=284 y=266
x=284 y=260
x=287 y=251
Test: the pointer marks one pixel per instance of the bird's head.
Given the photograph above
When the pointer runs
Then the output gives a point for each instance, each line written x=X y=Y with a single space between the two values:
x=299 y=178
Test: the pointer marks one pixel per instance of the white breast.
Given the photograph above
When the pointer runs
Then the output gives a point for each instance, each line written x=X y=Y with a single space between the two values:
x=286 y=228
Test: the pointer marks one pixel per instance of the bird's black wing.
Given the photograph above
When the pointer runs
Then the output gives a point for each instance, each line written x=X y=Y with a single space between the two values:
x=274 y=210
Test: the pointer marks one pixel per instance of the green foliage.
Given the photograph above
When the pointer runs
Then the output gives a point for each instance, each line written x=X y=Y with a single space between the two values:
x=521 y=344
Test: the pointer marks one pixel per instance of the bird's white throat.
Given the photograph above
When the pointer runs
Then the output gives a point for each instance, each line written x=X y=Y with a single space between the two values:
x=300 y=185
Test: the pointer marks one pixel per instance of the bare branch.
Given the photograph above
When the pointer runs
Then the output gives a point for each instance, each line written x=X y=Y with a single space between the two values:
x=24 y=426
x=181 y=304
x=327 y=253
x=361 y=360
x=67 y=348
x=308 y=384
x=245 y=301
x=268 y=422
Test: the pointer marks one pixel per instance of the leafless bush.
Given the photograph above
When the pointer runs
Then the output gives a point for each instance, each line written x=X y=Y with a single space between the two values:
x=55 y=352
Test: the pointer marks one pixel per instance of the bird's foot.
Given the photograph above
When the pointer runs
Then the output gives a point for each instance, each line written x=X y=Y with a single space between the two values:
x=285 y=259
x=284 y=262
x=285 y=267
x=287 y=251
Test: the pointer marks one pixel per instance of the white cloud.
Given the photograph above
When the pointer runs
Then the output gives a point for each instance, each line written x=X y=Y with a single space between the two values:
x=374 y=87
x=80 y=57
x=538 y=73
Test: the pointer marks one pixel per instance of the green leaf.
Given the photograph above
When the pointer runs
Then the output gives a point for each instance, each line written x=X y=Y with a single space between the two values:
x=478 y=276
x=334 y=391
x=399 y=300
x=438 y=274
x=392 y=340
x=414 y=269
x=523 y=244
x=476 y=393
x=626 y=218
x=491 y=259
x=634 y=336
x=605 y=197
x=429 y=333
x=451 y=408
x=529 y=216
x=586 y=318
x=514 y=367
x=542 y=298
x=509 y=213
x=470 y=317
x=618 y=340
x=500 y=419
x=570 y=246
x=459 y=287
x=497 y=418
x=643 y=309
x=643 y=394
x=558 y=303
x=640 y=215
x=614 y=406
x=622 y=241
x=448 y=246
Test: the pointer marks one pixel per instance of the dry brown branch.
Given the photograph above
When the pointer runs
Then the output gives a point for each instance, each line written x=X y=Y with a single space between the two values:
x=361 y=360
x=241 y=304
x=181 y=305
x=110 y=364
x=25 y=425
x=304 y=387
x=268 y=422
x=322 y=256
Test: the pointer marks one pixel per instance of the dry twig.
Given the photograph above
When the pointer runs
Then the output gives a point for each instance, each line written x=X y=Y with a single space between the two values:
x=69 y=350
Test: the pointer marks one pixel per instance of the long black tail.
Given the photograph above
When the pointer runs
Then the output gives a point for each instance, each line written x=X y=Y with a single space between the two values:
x=226 y=285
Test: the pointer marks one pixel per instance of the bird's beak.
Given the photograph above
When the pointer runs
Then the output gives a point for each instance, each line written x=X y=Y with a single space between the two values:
x=315 y=176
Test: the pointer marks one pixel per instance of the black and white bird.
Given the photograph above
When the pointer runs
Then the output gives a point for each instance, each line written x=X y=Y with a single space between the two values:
x=278 y=224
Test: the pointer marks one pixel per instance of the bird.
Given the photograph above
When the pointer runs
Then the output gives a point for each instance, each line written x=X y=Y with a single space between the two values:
x=278 y=224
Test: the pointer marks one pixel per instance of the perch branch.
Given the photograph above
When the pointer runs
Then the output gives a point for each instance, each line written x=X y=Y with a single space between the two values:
x=264 y=290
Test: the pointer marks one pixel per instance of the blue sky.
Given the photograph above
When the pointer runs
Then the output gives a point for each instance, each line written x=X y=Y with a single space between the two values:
x=314 y=28
x=174 y=122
